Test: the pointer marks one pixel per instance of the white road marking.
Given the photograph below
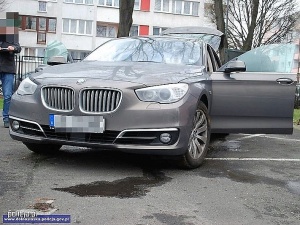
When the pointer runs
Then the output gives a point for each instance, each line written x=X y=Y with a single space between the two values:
x=279 y=138
x=254 y=159
x=247 y=136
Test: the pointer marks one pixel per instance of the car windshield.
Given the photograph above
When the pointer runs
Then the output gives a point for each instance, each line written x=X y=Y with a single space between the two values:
x=159 y=50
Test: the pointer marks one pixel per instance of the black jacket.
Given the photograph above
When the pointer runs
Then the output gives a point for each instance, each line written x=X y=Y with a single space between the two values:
x=7 y=58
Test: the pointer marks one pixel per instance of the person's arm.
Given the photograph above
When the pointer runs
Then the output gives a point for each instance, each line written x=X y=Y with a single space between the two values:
x=16 y=48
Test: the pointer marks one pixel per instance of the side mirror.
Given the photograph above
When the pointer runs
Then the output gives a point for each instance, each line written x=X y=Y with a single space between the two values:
x=56 y=60
x=233 y=66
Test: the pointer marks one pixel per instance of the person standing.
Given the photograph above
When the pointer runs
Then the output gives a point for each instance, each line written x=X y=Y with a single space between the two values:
x=7 y=74
x=9 y=45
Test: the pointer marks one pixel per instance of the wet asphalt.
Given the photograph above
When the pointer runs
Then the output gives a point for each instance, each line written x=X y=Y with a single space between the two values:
x=246 y=179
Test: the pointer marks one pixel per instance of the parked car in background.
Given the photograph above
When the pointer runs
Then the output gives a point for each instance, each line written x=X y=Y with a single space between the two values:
x=297 y=97
x=161 y=95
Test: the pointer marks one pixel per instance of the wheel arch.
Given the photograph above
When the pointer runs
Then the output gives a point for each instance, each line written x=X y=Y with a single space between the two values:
x=204 y=100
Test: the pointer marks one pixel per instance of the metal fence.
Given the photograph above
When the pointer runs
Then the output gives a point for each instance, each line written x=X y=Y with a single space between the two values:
x=25 y=65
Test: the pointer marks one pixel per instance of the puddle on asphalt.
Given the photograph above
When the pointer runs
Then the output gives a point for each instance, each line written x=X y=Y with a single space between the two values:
x=229 y=146
x=129 y=187
x=221 y=169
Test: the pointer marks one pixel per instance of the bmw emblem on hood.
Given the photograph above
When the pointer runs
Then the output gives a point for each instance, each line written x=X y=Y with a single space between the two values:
x=80 y=81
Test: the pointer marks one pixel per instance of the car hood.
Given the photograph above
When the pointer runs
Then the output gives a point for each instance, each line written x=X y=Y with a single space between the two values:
x=135 y=72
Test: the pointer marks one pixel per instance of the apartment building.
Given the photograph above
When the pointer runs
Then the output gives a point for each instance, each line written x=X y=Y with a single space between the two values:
x=82 y=25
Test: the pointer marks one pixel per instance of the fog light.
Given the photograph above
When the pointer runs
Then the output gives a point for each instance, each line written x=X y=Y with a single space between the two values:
x=165 y=138
x=15 y=125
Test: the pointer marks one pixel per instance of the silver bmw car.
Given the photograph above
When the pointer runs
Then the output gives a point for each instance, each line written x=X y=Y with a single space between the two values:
x=158 y=95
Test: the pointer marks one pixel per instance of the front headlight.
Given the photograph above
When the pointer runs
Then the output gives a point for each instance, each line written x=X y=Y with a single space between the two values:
x=27 y=87
x=162 y=94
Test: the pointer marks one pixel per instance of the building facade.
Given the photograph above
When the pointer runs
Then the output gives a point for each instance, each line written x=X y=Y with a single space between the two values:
x=82 y=25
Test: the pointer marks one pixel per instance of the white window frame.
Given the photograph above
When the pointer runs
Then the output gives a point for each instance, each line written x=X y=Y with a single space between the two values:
x=79 y=3
x=182 y=4
x=161 y=29
x=198 y=5
x=161 y=9
x=114 y=3
x=137 y=4
x=69 y=21
x=138 y=29
x=107 y=26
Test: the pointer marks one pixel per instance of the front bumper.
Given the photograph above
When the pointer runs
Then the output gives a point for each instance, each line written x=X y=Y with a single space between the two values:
x=136 y=127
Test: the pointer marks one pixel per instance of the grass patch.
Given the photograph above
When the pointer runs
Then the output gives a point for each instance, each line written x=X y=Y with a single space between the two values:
x=1 y=103
x=297 y=116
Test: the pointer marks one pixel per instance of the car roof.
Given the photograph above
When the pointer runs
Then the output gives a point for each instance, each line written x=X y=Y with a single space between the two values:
x=192 y=30
x=164 y=37
x=209 y=35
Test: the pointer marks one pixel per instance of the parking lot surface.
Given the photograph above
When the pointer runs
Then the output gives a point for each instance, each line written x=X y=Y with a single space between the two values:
x=246 y=179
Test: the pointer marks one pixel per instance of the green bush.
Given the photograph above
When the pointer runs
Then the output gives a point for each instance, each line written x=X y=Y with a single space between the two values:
x=297 y=116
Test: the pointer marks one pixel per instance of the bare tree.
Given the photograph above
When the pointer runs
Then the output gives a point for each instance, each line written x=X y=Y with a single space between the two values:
x=256 y=22
x=125 y=17
x=3 y=5
x=252 y=23
x=219 y=20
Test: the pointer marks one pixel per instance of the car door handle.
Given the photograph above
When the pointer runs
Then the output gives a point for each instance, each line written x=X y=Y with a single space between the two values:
x=284 y=81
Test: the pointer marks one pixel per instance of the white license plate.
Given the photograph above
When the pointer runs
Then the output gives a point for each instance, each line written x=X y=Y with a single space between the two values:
x=77 y=124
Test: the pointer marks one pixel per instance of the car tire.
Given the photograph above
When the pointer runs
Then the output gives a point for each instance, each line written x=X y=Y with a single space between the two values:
x=198 y=141
x=42 y=148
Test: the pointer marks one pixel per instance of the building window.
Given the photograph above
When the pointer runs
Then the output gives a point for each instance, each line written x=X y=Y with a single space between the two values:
x=78 y=55
x=134 y=30
x=42 y=6
x=33 y=52
x=106 y=30
x=29 y=52
x=30 y=23
x=37 y=23
x=52 y=25
x=162 y=5
x=77 y=26
x=87 y=2
x=195 y=8
x=158 y=30
x=186 y=7
x=111 y=3
x=137 y=5
x=42 y=24
x=41 y=38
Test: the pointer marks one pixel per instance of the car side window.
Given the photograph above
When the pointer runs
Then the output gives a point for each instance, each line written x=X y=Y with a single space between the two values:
x=278 y=58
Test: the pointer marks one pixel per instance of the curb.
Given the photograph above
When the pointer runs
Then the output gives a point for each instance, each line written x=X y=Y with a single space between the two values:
x=297 y=127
